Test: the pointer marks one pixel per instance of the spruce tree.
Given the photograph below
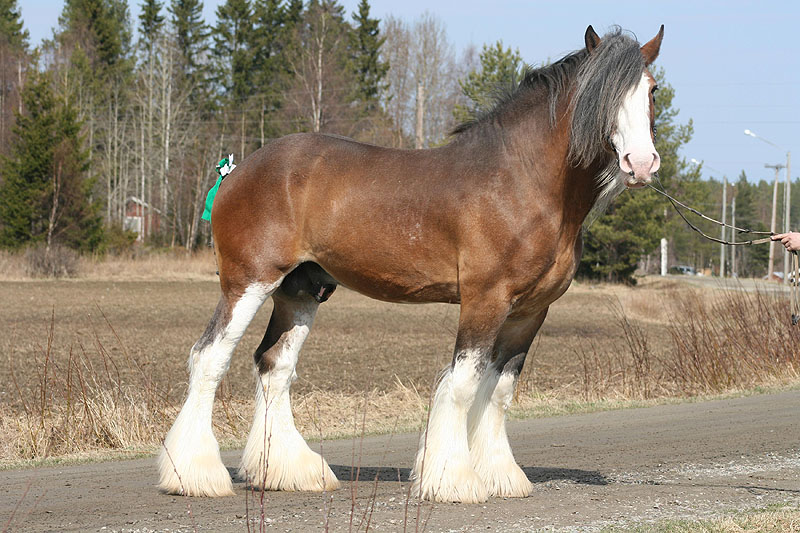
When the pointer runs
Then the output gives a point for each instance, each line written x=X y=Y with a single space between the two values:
x=365 y=50
x=751 y=260
x=45 y=195
x=100 y=27
x=232 y=56
x=192 y=39
x=270 y=69
x=13 y=57
x=12 y=31
x=151 y=21
x=500 y=68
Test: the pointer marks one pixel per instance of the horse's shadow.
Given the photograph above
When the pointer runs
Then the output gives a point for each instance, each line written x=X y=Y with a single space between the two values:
x=534 y=474
x=401 y=475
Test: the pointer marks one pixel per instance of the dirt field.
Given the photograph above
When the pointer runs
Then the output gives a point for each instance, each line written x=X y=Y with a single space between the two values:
x=590 y=471
x=357 y=344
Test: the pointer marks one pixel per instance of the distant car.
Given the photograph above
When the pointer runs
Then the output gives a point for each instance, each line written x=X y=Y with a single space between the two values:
x=683 y=270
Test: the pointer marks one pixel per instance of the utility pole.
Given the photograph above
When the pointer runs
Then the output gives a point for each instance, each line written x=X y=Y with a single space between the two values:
x=420 y=130
x=787 y=197
x=722 y=246
x=772 y=223
x=787 y=212
x=733 y=233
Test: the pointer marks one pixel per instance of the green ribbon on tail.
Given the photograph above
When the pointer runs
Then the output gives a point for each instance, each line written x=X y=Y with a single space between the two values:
x=224 y=167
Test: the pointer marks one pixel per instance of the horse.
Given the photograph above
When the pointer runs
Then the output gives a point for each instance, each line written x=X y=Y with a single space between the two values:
x=490 y=221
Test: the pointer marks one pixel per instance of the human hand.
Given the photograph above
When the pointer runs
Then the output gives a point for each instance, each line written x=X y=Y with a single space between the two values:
x=790 y=241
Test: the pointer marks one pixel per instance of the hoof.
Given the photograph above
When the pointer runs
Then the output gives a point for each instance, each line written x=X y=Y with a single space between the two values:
x=460 y=485
x=298 y=471
x=506 y=480
x=197 y=475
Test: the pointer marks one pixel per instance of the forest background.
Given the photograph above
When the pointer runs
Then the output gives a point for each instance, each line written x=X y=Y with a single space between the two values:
x=110 y=129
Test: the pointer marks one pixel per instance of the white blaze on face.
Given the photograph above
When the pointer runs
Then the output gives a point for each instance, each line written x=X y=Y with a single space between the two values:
x=634 y=145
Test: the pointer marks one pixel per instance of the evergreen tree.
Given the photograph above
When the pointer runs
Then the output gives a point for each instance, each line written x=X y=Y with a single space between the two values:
x=12 y=31
x=365 y=57
x=151 y=21
x=13 y=56
x=45 y=196
x=294 y=12
x=269 y=38
x=232 y=56
x=192 y=41
x=500 y=68
x=751 y=260
x=100 y=27
x=319 y=57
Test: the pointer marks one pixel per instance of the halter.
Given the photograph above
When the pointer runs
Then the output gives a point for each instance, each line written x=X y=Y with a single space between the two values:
x=793 y=294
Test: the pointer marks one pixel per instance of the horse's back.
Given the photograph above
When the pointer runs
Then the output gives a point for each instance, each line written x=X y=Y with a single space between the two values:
x=360 y=211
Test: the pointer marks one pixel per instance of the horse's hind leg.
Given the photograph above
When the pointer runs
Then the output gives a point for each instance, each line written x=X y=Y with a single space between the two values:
x=276 y=456
x=489 y=448
x=190 y=463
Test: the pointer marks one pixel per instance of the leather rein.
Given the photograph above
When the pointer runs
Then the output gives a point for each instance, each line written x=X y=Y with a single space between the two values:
x=793 y=296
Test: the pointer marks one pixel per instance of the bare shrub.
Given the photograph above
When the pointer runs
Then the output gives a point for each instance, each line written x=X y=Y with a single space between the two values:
x=624 y=371
x=12 y=265
x=78 y=402
x=55 y=261
x=730 y=339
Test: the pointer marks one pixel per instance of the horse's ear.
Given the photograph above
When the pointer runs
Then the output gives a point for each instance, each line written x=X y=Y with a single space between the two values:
x=591 y=38
x=650 y=50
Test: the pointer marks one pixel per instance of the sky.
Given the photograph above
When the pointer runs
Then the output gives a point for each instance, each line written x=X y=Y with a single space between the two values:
x=733 y=64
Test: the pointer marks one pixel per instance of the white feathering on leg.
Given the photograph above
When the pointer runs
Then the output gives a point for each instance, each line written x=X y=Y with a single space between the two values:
x=189 y=462
x=442 y=469
x=489 y=448
x=290 y=464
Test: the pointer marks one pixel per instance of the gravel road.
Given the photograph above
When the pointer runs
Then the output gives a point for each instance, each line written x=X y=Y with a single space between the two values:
x=617 y=467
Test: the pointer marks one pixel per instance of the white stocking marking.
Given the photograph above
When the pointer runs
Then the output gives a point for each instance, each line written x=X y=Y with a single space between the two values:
x=190 y=463
x=488 y=441
x=290 y=464
x=443 y=470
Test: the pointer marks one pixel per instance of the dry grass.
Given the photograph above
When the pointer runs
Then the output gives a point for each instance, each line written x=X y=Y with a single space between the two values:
x=98 y=364
x=177 y=264
x=168 y=265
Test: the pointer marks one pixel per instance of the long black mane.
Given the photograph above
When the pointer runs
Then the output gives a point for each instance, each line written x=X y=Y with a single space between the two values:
x=554 y=78
x=598 y=83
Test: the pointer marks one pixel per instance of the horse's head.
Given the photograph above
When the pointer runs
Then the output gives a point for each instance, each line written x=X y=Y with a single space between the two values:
x=634 y=136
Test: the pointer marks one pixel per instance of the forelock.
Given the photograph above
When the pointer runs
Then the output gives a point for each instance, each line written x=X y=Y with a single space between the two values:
x=603 y=81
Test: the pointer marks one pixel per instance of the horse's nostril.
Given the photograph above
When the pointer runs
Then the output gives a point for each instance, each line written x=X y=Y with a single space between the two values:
x=625 y=164
x=656 y=163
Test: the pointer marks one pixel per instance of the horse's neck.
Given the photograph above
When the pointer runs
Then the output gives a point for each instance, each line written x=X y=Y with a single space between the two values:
x=552 y=180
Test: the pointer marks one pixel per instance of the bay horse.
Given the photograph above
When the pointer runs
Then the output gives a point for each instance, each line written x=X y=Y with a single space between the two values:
x=491 y=221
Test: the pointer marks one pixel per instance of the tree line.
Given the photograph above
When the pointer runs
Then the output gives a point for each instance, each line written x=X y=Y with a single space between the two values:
x=113 y=121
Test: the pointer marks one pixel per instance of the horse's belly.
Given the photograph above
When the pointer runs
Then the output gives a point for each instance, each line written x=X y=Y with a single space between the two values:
x=397 y=285
x=393 y=274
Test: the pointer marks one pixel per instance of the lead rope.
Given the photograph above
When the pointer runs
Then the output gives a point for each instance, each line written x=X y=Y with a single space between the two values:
x=793 y=291
x=675 y=203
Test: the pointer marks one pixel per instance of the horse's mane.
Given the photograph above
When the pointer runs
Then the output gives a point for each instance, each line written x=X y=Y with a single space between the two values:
x=597 y=82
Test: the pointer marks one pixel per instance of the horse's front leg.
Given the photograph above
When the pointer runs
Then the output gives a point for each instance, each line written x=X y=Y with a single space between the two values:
x=443 y=470
x=489 y=448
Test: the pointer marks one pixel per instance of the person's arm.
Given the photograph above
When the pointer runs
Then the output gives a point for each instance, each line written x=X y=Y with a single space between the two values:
x=790 y=241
